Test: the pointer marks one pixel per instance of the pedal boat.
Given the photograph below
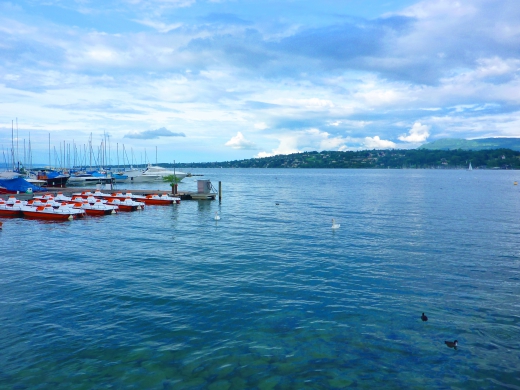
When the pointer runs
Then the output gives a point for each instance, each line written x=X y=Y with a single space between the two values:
x=11 y=210
x=48 y=212
x=126 y=205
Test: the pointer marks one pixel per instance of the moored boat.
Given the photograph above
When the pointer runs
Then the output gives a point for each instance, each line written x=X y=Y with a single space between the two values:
x=13 y=210
x=160 y=200
x=17 y=184
x=95 y=209
x=51 y=178
x=126 y=205
x=62 y=198
x=150 y=199
x=48 y=212
x=153 y=170
x=89 y=179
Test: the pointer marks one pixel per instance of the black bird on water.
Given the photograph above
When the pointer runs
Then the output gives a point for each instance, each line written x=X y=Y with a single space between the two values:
x=424 y=318
x=451 y=344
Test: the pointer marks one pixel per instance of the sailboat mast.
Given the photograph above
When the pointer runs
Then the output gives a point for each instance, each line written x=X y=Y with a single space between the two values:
x=17 y=156
x=12 y=143
x=90 y=148
x=30 y=153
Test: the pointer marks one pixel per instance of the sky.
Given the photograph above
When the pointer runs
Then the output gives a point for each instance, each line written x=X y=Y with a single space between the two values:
x=220 y=80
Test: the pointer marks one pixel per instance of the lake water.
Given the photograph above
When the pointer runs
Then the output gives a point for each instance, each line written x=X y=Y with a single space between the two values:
x=270 y=297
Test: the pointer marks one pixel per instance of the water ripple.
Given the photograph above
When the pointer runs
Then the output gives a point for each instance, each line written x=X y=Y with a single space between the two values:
x=270 y=296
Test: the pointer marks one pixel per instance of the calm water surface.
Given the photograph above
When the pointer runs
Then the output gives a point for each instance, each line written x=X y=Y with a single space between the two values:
x=270 y=297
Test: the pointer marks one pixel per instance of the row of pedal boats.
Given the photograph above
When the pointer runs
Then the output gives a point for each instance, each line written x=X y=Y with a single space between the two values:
x=61 y=207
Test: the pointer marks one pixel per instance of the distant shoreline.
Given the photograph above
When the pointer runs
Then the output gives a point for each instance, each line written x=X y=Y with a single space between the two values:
x=495 y=159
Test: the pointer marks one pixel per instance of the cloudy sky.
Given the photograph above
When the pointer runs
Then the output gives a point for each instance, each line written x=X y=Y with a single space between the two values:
x=216 y=80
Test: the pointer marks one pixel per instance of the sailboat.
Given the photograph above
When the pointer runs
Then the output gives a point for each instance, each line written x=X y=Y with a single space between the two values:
x=470 y=168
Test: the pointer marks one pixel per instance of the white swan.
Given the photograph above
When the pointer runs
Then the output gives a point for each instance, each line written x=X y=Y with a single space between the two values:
x=334 y=224
x=217 y=217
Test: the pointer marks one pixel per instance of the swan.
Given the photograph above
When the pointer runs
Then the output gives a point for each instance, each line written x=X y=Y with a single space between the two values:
x=334 y=224
x=424 y=318
x=217 y=217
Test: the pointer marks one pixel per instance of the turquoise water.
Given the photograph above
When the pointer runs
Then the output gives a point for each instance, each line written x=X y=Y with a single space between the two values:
x=270 y=297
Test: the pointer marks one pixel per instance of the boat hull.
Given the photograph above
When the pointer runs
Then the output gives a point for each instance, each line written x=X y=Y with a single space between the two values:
x=157 y=202
x=60 y=182
x=49 y=216
x=125 y=207
x=6 y=213
x=97 y=212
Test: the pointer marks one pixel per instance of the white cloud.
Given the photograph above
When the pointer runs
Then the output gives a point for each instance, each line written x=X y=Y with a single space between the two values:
x=261 y=126
x=439 y=9
x=417 y=134
x=160 y=26
x=288 y=145
x=378 y=143
x=311 y=103
x=190 y=74
x=312 y=139
x=162 y=3
x=239 y=142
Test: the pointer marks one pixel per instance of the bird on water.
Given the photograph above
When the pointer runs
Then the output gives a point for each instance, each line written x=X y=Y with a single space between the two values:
x=424 y=318
x=217 y=217
x=452 y=344
x=334 y=224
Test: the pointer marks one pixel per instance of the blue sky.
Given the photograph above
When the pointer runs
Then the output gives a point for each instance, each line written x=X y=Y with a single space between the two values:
x=201 y=80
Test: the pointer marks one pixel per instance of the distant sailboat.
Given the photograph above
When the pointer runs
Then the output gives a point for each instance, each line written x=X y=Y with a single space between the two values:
x=470 y=168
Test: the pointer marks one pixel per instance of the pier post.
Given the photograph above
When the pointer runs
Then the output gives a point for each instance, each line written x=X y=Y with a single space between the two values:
x=220 y=192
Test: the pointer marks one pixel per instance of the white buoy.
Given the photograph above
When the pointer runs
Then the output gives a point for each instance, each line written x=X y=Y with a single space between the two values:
x=335 y=225
x=217 y=217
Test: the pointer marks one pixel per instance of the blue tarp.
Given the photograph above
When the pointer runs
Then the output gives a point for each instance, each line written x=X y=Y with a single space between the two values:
x=19 y=184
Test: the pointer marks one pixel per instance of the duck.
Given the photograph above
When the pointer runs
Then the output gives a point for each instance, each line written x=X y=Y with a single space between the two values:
x=424 y=318
x=452 y=344
x=217 y=217
x=335 y=225
x=277 y=203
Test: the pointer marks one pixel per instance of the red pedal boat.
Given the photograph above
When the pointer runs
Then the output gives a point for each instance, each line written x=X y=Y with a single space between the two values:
x=50 y=213
x=13 y=210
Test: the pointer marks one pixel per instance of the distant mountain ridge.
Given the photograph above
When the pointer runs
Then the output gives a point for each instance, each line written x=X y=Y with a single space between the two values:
x=473 y=144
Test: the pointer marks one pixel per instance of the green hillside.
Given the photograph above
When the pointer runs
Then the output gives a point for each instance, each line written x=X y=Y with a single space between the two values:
x=473 y=144
x=414 y=158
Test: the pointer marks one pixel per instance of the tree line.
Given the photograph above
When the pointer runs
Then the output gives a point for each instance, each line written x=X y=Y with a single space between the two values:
x=370 y=159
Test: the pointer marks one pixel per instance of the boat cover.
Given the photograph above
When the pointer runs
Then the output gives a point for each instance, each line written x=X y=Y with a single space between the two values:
x=19 y=184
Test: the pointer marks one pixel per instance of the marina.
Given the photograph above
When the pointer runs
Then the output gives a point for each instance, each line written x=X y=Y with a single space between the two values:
x=60 y=204
x=72 y=205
